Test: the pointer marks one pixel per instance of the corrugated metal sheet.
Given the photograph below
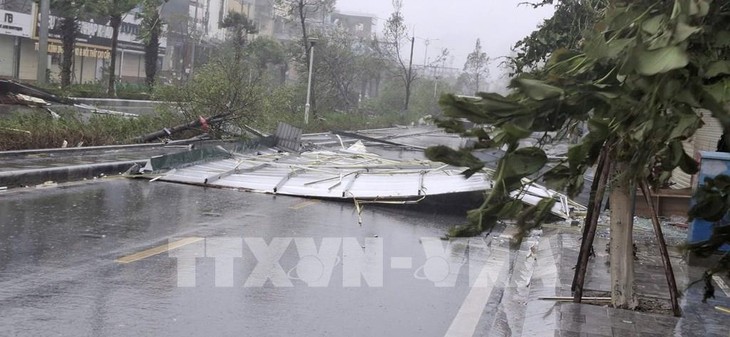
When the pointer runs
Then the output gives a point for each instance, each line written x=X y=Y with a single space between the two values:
x=288 y=137
x=706 y=137
x=346 y=174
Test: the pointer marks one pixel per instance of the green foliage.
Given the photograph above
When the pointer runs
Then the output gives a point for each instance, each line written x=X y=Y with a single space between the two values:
x=239 y=27
x=477 y=65
x=97 y=90
x=573 y=19
x=36 y=129
x=225 y=86
x=636 y=83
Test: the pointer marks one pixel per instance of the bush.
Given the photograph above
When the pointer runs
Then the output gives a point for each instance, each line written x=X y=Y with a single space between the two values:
x=98 y=90
x=37 y=129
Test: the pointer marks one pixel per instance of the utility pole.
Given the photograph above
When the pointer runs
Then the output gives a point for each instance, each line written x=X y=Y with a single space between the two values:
x=195 y=40
x=43 y=41
x=410 y=78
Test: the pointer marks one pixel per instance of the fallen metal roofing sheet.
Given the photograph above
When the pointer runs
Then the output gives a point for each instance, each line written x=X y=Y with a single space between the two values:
x=347 y=174
x=327 y=174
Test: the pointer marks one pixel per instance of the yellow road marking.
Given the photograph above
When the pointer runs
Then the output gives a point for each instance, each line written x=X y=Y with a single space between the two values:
x=157 y=250
x=304 y=204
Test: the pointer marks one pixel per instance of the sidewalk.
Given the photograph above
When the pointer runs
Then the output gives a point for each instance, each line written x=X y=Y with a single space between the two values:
x=32 y=167
x=553 y=275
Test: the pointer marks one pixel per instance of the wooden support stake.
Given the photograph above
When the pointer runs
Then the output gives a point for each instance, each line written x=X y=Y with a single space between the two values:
x=668 y=271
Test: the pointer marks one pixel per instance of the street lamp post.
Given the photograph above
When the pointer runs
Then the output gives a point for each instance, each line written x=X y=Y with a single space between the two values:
x=312 y=41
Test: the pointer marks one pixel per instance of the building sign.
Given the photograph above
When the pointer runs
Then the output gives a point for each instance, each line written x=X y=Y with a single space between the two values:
x=15 y=24
x=83 y=51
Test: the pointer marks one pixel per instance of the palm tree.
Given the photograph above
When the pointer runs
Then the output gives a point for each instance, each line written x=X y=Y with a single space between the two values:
x=115 y=11
x=69 y=11
x=149 y=33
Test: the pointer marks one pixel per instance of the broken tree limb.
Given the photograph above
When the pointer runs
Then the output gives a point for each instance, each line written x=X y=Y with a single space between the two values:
x=170 y=131
x=592 y=224
x=668 y=271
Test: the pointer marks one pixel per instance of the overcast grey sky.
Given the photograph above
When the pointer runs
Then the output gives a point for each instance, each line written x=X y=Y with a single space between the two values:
x=456 y=24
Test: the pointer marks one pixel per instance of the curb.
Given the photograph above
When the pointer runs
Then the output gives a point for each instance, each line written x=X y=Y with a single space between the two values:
x=20 y=178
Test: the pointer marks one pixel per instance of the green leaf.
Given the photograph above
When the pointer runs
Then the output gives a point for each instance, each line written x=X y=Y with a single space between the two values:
x=659 y=41
x=720 y=91
x=654 y=24
x=683 y=31
x=538 y=90
x=522 y=163
x=617 y=46
x=717 y=68
x=516 y=131
x=688 y=164
x=535 y=215
x=686 y=125
x=511 y=209
x=652 y=62
x=450 y=125
x=557 y=177
x=460 y=158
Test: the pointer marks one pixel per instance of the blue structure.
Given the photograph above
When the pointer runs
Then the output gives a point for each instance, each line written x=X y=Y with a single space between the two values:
x=712 y=164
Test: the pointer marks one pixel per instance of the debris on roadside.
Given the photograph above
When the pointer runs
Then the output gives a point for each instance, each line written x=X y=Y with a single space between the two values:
x=47 y=184
x=12 y=92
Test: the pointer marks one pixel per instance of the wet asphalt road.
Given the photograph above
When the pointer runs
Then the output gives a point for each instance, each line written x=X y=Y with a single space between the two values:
x=61 y=275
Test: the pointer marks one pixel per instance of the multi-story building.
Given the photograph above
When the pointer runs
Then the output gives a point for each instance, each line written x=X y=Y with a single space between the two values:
x=19 y=45
x=194 y=29
x=356 y=24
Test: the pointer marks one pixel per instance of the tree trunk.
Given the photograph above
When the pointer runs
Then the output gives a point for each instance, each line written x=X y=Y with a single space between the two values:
x=115 y=21
x=621 y=245
x=409 y=76
x=68 y=40
x=151 y=49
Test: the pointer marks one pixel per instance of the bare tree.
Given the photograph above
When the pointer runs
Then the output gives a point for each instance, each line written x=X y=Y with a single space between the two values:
x=395 y=36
